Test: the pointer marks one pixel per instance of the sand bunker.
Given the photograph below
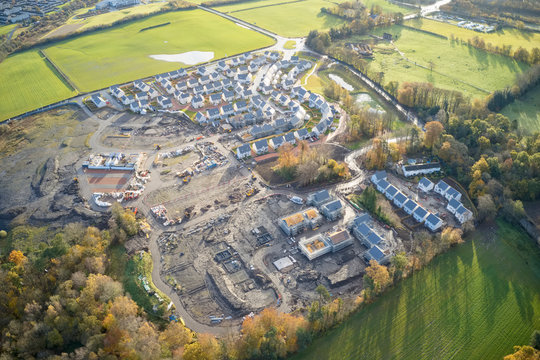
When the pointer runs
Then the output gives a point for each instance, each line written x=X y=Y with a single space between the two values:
x=188 y=58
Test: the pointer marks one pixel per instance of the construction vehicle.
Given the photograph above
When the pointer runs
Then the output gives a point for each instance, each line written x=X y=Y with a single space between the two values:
x=186 y=179
x=250 y=192
x=157 y=146
x=76 y=180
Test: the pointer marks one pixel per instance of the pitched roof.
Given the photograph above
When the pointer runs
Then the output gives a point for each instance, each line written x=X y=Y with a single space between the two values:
x=381 y=174
x=452 y=192
x=433 y=219
x=420 y=211
x=425 y=182
x=462 y=210
x=338 y=237
x=400 y=197
x=261 y=144
x=244 y=149
x=361 y=219
x=333 y=205
x=363 y=229
x=312 y=213
x=410 y=205
x=375 y=253
x=383 y=184
x=321 y=195
x=442 y=185
x=391 y=190
x=454 y=203
x=373 y=238
x=422 y=166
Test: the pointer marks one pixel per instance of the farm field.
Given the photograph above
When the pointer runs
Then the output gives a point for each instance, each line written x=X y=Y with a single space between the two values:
x=455 y=66
x=76 y=25
x=526 y=111
x=508 y=36
x=122 y=53
x=28 y=82
x=474 y=302
x=286 y=18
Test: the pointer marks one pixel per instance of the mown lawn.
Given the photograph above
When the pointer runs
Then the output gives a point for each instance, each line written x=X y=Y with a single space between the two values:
x=121 y=54
x=455 y=66
x=526 y=111
x=474 y=302
x=28 y=82
x=286 y=18
x=508 y=36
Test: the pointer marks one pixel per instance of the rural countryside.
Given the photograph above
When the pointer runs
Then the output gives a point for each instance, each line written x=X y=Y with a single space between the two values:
x=270 y=179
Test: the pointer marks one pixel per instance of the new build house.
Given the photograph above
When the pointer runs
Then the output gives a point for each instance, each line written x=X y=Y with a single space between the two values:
x=425 y=185
x=420 y=169
x=332 y=210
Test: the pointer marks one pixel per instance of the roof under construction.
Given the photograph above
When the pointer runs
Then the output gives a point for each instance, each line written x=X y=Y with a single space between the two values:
x=312 y=213
x=338 y=236
x=294 y=219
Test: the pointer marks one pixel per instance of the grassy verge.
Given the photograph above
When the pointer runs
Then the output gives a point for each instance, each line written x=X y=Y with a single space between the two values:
x=127 y=270
x=290 y=45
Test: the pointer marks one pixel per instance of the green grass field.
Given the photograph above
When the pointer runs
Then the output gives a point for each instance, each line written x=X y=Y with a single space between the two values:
x=27 y=82
x=4 y=29
x=286 y=18
x=121 y=54
x=514 y=37
x=474 y=302
x=110 y=17
x=458 y=67
x=526 y=111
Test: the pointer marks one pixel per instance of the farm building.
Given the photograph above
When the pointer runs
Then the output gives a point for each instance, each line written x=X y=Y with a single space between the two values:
x=420 y=169
x=425 y=185
x=243 y=151
x=332 y=210
x=318 y=198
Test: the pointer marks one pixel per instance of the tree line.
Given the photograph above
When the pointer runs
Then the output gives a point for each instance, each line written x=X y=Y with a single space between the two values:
x=309 y=165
